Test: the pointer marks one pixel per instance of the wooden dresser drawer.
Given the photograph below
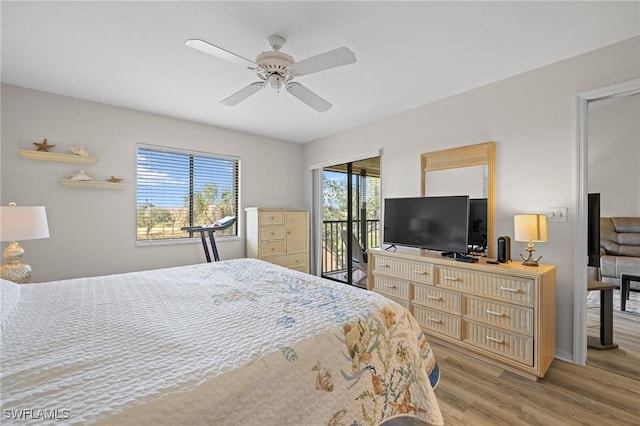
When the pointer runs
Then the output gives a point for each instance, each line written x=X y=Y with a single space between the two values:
x=438 y=321
x=271 y=217
x=514 y=317
x=272 y=248
x=503 y=287
x=294 y=261
x=268 y=233
x=392 y=287
x=516 y=347
x=434 y=297
x=420 y=272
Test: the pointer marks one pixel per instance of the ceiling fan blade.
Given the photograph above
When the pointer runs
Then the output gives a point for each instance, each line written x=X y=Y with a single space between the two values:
x=324 y=61
x=308 y=97
x=209 y=48
x=243 y=94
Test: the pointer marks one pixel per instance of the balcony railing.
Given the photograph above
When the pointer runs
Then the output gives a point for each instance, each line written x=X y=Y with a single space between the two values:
x=334 y=252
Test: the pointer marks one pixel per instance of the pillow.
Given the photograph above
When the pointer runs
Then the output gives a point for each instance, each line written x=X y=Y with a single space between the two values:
x=10 y=297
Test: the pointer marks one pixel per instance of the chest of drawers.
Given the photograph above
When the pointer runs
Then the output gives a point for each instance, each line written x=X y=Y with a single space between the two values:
x=504 y=314
x=279 y=236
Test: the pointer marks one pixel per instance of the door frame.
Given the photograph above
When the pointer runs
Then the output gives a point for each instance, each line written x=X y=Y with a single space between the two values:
x=580 y=254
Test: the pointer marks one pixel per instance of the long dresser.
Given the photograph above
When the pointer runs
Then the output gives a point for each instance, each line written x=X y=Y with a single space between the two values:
x=504 y=314
x=279 y=236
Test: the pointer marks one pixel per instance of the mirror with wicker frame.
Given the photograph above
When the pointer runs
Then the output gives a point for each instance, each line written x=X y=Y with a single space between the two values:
x=467 y=170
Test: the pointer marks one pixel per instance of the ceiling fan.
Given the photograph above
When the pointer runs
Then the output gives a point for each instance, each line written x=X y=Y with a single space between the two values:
x=279 y=69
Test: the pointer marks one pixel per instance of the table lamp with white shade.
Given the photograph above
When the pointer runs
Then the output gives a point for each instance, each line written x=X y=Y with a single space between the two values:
x=20 y=224
x=530 y=228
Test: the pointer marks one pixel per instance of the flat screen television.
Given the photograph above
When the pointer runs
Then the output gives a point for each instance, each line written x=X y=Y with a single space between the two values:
x=435 y=223
x=593 y=229
x=477 y=224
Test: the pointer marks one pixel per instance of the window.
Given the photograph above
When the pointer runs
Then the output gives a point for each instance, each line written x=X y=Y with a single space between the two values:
x=178 y=188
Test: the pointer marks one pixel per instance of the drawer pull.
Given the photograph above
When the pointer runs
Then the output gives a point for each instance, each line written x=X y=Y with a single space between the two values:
x=385 y=265
x=436 y=320
x=421 y=272
x=393 y=286
x=497 y=314
x=451 y=278
x=493 y=339
x=511 y=290
x=439 y=299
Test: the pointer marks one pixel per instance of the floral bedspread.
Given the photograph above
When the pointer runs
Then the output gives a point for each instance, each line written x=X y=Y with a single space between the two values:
x=238 y=342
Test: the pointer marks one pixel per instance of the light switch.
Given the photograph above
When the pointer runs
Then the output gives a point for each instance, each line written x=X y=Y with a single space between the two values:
x=556 y=214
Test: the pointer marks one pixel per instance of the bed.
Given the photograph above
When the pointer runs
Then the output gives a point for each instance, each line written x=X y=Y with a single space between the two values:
x=237 y=342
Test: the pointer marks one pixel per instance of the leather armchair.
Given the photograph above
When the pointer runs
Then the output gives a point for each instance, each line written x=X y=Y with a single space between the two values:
x=619 y=249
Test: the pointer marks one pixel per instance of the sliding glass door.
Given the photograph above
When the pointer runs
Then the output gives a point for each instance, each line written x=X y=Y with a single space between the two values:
x=351 y=217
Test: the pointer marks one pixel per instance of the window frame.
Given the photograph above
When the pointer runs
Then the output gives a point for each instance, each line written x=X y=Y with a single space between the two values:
x=195 y=238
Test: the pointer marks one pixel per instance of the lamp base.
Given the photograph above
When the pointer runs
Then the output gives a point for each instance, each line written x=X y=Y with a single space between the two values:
x=530 y=261
x=14 y=270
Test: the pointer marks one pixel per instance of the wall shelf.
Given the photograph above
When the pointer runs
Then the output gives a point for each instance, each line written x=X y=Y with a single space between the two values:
x=56 y=156
x=92 y=184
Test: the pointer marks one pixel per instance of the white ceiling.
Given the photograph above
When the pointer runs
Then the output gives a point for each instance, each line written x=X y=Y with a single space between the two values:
x=132 y=54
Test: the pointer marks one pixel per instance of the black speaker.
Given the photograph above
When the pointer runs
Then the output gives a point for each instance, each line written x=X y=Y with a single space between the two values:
x=504 y=249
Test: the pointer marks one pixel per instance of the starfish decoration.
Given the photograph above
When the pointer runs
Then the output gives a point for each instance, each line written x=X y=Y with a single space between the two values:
x=114 y=179
x=43 y=146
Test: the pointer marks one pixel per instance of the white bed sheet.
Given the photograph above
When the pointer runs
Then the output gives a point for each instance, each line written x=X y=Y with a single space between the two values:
x=234 y=342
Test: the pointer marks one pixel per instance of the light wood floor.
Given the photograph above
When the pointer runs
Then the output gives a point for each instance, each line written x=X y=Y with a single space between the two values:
x=604 y=392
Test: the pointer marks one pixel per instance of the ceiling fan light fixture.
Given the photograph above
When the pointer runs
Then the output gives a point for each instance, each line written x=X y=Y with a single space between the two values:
x=275 y=81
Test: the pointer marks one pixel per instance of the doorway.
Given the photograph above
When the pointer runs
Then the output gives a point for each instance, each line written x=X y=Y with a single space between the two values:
x=350 y=219
x=583 y=100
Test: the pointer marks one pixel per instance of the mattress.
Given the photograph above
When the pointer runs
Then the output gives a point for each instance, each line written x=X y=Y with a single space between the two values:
x=238 y=342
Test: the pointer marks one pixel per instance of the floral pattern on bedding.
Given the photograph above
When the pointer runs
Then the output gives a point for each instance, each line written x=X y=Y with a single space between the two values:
x=383 y=354
x=380 y=349
x=384 y=358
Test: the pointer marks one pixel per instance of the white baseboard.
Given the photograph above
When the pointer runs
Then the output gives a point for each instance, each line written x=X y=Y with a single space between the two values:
x=564 y=356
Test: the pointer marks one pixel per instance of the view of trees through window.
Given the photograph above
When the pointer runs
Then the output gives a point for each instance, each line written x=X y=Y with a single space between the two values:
x=335 y=196
x=176 y=189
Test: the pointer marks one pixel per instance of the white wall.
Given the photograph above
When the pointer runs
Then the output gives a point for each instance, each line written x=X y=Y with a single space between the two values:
x=614 y=155
x=93 y=231
x=532 y=119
